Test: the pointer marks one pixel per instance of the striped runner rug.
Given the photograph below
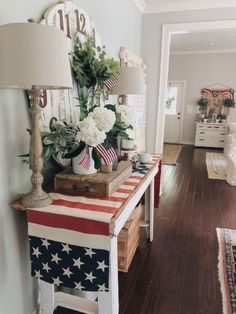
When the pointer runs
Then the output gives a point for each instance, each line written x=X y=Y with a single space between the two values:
x=227 y=269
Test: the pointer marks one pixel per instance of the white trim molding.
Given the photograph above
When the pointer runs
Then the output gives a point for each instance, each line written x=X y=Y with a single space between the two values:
x=200 y=52
x=140 y=4
x=187 y=5
x=187 y=143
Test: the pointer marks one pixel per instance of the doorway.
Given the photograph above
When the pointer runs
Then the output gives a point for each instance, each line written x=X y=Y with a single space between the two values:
x=174 y=112
x=168 y=30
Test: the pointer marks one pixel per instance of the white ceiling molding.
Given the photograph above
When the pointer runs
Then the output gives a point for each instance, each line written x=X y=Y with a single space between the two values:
x=187 y=5
x=140 y=4
x=175 y=53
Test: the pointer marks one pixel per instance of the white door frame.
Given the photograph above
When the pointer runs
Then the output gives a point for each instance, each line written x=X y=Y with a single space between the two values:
x=182 y=106
x=167 y=31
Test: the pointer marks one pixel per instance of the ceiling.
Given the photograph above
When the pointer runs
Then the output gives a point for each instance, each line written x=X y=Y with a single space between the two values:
x=155 y=6
x=204 y=42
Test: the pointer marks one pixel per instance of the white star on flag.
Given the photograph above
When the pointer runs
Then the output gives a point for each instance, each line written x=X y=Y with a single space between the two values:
x=67 y=272
x=102 y=265
x=66 y=248
x=37 y=274
x=90 y=277
x=102 y=287
x=77 y=262
x=46 y=267
x=36 y=252
x=89 y=252
x=56 y=281
x=55 y=258
x=45 y=243
x=78 y=286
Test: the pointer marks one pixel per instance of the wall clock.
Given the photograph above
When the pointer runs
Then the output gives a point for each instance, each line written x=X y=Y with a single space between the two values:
x=74 y=21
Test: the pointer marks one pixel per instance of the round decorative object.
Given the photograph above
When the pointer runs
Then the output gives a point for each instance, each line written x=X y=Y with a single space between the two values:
x=83 y=163
x=73 y=21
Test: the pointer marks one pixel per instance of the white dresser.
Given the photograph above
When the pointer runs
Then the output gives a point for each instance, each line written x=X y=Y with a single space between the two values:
x=210 y=134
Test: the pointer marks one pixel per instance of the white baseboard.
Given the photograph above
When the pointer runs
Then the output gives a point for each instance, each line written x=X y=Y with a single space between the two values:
x=187 y=143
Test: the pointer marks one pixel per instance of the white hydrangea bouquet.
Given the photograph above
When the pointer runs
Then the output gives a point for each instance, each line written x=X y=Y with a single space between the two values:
x=92 y=70
x=123 y=122
x=91 y=133
x=105 y=124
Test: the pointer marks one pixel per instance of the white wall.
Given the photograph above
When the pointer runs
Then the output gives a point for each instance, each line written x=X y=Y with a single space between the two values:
x=200 y=70
x=119 y=24
x=151 y=51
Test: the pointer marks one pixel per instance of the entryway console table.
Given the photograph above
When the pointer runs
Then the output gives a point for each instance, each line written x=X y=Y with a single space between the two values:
x=210 y=134
x=73 y=243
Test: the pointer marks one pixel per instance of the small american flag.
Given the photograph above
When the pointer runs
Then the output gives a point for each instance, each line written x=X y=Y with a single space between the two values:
x=107 y=153
x=111 y=81
x=85 y=162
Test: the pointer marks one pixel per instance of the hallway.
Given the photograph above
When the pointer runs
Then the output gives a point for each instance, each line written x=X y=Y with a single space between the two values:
x=177 y=274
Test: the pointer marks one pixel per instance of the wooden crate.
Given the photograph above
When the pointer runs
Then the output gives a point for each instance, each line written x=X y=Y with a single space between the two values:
x=128 y=240
x=98 y=184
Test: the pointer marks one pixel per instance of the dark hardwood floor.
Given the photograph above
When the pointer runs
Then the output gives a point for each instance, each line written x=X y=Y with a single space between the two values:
x=177 y=273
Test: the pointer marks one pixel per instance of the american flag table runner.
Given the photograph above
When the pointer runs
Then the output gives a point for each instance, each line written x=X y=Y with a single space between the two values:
x=70 y=239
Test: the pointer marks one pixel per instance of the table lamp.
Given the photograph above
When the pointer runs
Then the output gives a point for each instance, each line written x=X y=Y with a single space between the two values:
x=34 y=57
x=130 y=82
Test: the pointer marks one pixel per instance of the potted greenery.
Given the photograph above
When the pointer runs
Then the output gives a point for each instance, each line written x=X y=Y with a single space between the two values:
x=228 y=103
x=208 y=118
x=66 y=141
x=222 y=117
x=91 y=68
x=57 y=143
x=203 y=105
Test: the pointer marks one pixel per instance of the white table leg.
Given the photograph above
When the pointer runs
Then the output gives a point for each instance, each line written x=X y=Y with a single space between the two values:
x=46 y=297
x=149 y=208
x=108 y=302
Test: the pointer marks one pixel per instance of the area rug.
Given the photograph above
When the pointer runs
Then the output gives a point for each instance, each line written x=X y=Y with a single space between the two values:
x=226 y=268
x=171 y=154
x=216 y=166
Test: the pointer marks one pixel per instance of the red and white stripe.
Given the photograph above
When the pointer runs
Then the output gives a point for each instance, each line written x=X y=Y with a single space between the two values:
x=82 y=220
x=108 y=155
x=227 y=93
x=112 y=81
x=85 y=162
x=206 y=91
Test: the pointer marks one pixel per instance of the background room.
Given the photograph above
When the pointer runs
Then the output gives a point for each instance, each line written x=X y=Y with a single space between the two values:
x=198 y=60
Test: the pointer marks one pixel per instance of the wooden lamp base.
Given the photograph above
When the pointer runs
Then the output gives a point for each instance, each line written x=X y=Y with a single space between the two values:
x=37 y=197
